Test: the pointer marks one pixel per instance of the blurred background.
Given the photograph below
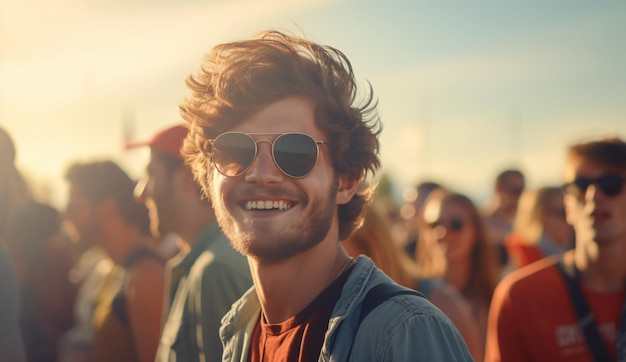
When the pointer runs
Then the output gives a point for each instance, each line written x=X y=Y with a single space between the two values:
x=465 y=89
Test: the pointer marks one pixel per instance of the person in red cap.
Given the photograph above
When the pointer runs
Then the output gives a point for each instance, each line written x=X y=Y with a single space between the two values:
x=208 y=275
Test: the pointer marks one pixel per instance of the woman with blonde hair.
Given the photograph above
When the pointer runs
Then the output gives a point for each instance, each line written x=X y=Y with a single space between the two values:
x=454 y=245
x=540 y=228
x=374 y=239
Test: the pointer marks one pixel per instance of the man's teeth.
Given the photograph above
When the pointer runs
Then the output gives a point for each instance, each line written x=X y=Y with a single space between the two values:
x=267 y=205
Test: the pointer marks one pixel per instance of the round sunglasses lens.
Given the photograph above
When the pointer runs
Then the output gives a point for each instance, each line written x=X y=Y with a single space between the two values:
x=233 y=153
x=295 y=154
x=611 y=185
x=579 y=186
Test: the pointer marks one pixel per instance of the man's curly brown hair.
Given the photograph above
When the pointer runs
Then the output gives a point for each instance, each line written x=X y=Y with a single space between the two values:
x=237 y=79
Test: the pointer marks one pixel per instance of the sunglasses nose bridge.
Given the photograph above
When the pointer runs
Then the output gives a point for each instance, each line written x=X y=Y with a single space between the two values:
x=263 y=167
x=261 y=149
x=593 y=191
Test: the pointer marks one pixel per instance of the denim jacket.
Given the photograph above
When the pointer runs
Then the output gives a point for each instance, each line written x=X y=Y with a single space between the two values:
x=403 y=328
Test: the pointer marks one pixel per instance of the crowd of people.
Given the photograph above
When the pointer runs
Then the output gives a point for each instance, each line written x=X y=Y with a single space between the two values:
x=256 y=233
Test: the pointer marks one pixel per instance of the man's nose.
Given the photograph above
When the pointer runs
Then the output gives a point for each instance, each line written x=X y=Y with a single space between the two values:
x=263 y=168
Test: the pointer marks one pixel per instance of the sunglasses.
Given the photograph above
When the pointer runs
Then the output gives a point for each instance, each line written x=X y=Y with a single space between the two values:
x=611 y=185
x=295 y=154
x=455 y=224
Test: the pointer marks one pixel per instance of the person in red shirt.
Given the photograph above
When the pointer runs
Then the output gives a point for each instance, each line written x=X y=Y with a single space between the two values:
x=532 y=316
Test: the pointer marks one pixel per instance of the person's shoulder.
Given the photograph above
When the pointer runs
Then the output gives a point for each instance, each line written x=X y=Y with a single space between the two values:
x=382 y=333
x=408 y=307
x=433 y=336
x=146 y=272
x=538 y=275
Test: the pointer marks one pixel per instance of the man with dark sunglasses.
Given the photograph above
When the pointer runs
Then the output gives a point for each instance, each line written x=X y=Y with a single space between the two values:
x=572 y=308
x=282 y=146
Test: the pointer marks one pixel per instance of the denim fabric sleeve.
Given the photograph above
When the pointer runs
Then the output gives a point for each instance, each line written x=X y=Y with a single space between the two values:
x=11 y=347
x=398 y=331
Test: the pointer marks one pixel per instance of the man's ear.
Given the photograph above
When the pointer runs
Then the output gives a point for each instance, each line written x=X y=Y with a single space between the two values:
x=346 y=189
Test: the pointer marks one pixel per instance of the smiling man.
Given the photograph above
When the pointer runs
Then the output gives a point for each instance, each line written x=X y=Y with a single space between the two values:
x=279 y=143
x=572 y=308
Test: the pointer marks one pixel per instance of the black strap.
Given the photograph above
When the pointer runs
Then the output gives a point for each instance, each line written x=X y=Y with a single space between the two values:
x=378 y=294
x=381 y=293
x=586 y=319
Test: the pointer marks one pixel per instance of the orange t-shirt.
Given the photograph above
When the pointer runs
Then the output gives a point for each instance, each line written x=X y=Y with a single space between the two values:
x=532 y=318
x=299 y=338
x=520 y=252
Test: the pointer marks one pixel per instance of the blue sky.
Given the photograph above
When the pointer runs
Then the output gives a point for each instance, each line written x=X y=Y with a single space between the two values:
x=464 y=88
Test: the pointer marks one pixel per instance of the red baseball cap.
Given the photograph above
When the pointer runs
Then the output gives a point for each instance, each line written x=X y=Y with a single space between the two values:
x=168 y=141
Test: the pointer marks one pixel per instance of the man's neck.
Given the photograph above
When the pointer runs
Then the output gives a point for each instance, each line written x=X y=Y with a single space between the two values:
x=602 y=267
x=286 y=288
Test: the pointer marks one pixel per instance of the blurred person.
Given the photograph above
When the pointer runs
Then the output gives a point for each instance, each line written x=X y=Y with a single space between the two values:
x=89 y=275
x=374 y=239
x=572 y=307
x=209 y=275
x=280 y=144
x=499 y=213
x=411 y=211
x=11 y=344
x=454 y=245
x=14 y=194
x=127 y=315
x=43 y=256
x=390 y=209
x=540 y=228
x=14 y=191
x=40 y=257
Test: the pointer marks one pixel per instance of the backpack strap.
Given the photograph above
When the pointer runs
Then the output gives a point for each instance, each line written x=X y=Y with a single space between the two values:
x=586 y=319
x=381 y=293
x=378 y=294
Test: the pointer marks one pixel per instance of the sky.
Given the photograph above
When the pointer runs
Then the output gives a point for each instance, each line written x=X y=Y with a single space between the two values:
x=465 y=89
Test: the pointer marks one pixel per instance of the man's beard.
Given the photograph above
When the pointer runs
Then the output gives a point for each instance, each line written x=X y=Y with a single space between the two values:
x=271 y=246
